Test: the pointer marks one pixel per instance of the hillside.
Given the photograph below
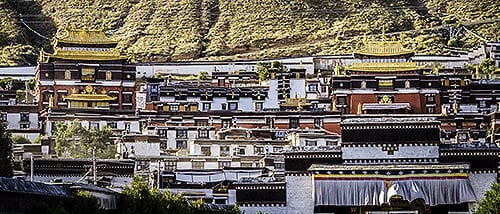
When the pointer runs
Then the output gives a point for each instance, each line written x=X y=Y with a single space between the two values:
x=169 y=30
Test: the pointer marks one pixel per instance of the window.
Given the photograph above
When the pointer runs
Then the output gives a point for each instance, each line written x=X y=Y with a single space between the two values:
x=385 y=84
x=331 y=143
x=313 y=87
x=112 y=125
x=270 y=122
x=61 y=97
x=259 y=106
x=323 y=89
x=201 y=122
x=170 y=165
x=205 y=150
x=24 y=125
x=233 y=106
x=181 y=144
x=25 y=117
x=174 y=107
x=246 y=164
x=241 y=151
x=430 y=99
x=318 y=123
x=223 y=106
x=224 y=151
x=127 y=98
x=430 y=110
x=279 y=165
x=277 y=149
x=221 y=82
x=4 y=116
x=88 y=74
x=181 y=133
x=94 y=125
x=294 y=123
x=161 y=132
x=198 y=164
x=259 y=150
x=341 y=100
x=207 y=106
x=223 y=164
x=311 y=143
x=227 y=123
x=202 y=133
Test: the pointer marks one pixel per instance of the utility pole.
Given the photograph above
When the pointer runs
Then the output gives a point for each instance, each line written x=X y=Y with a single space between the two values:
x=94 y=170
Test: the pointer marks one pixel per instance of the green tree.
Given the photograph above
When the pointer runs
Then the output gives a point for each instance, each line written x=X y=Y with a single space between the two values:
x=263 y=68
x=76 y=141
x=6 y=157
x=487 y=66
x=20 y=140
x=491 y=201
x=139 y=198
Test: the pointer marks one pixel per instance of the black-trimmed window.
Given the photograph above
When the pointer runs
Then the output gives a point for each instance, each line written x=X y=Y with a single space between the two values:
x=233 y=106
x=24 y=125
x=206 y=151
x=112 y=125
x=181 y=144
x=181 y=133
x=174 y=107
x=224 y=151
x=88 y=74
x=318 y=123
x=4 y=116
x=259 y=106
x=294 y=123
x=25 y=117
x=313 y=87
x=202 y=133
x=127 y=98
x=227 y=123
x=202 y=122
x=207 y=106
x=311 y=143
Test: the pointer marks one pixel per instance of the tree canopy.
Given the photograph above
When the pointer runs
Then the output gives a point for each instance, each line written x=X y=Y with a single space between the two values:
x=76 y=141
x=491 y=201
x=6 y=157
x=139 y=198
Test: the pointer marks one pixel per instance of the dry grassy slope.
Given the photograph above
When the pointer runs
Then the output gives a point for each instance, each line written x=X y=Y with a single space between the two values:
x=159 y=30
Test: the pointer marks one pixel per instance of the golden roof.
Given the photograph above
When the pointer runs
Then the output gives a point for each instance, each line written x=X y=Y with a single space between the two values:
x=295 y=102
x=87 y=55
x=90 y=97
x=383 y=67
x=383 y=48
x=81 y=36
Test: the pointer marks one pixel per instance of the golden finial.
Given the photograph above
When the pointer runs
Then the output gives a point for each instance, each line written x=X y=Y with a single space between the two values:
x=258 y=95
x=272 y=64
x=232 y=94
x=359 y=109
x=337 y=69
x=334 y=105
x=74 y=90
x=206 y=95
x=103 y=91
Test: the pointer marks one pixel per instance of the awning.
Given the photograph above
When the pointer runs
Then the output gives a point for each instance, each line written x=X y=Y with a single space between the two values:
x=374 y=190
x=392 y=106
